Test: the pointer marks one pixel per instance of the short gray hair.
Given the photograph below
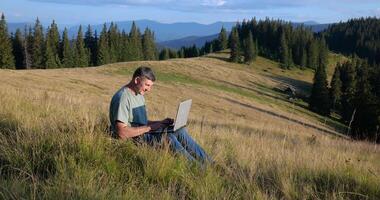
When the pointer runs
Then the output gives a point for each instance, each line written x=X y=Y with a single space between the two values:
x=144 y=71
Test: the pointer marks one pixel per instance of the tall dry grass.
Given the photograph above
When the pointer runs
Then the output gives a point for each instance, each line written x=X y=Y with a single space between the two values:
x=55 y=145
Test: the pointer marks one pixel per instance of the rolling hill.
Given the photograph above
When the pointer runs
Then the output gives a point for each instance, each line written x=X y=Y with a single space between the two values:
x=53 y=138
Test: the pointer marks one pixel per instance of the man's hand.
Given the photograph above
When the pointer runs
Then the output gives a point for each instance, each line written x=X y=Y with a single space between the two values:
x=168 y=121
x=157 y=125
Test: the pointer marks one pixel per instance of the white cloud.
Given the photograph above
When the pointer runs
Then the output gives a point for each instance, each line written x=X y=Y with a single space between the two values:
x=214 y=3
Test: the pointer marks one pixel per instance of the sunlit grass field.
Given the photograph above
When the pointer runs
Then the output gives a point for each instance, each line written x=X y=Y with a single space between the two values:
x=54 y=142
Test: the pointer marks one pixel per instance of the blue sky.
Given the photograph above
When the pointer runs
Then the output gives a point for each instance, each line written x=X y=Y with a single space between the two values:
x=70 y=12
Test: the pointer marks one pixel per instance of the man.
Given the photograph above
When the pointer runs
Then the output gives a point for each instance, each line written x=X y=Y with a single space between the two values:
x=129 y=119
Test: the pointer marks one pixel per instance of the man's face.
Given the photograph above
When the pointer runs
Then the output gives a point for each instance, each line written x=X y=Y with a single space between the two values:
x=143 y=85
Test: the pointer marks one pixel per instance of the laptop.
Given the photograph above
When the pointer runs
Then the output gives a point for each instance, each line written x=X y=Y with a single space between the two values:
x=181 y=117
x=182 y=114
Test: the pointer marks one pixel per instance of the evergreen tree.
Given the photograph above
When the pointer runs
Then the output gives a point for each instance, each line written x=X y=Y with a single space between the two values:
x=172 y=54
x=235 y=46
x=67 y=53
x=181 y=53
x=114 y=43
x=124 y=46
x=18 y=50
x=319 y=98
x=322 y=53
x=312 y=52
x=348 y=78
x=303 y=59
x=91 y=45
x=284 y=52
x=365 y=123
x=51 y=54
x=103 y=53
x=336 y=88
x=223 y=40
x=249 y=49
x=135 y=45
x=49 y=57
x=149 y=47
x=6 y=56
x=37 y=48
x=194 y=51
x=80 y=57
x=164 y=54
x=28 y=44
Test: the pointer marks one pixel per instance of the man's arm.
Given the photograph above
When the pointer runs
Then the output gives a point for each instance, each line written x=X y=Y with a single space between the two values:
x=124 y=131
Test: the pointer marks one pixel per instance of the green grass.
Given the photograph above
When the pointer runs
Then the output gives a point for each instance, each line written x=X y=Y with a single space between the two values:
x=55 y=145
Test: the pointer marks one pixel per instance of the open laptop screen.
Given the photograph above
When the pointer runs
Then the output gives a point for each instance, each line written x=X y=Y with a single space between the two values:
x=182 y=114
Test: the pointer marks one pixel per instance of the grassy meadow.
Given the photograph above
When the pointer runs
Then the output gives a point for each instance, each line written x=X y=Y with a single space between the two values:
x=54 y=143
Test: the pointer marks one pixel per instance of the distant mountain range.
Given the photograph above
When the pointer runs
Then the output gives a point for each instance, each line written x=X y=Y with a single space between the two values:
x=172 y=35
x=163 y=31
x=199 y=41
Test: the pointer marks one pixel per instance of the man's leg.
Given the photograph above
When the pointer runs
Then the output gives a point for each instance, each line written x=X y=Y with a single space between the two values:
x=155 y=138
x=150 y=138
x=190 y=145
x=177 y=147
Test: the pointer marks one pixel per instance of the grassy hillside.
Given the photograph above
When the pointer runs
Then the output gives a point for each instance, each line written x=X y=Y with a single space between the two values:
x=53 y=141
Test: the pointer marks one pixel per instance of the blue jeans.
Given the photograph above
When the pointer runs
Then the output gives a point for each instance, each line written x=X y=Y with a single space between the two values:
x=179 y=142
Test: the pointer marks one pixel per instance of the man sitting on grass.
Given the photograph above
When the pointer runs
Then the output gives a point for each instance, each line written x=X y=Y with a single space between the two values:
x=129 y=119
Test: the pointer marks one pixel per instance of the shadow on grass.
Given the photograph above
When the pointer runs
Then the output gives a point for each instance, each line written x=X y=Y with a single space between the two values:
x=218 y=57
x=304 y=86
x=286 y=118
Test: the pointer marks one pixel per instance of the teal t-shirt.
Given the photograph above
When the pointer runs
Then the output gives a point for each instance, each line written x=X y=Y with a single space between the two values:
x=127 y=108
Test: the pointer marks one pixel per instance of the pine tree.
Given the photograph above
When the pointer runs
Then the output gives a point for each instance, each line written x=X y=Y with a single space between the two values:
x=135 y=45
x=67 y=53
x=114 y=43
x=49 y=57
x=81 y=58
x=303 y=59
x=348 y=78
x=336 y=89
x=223 y=40
x=194 y=51
x=6 y=56
x=18 y=49
x=285 y=54
x=51 y=54
x=149 y=47
x=37 y=48
x=181 y=53
x=124 y=46
x=172 y=54
x=319 y=98
x=164 y=54
x=364 y=125
x=249 y=49
x=312 y=52
x=322 y=53
x=90 y=44
x=28 y=44
x=235 y=46
x=103 y=53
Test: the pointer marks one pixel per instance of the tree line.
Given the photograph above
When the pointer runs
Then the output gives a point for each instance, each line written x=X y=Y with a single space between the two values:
x=354 y=93
x=277 y=40
x=356 y=36
x=35 y=47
